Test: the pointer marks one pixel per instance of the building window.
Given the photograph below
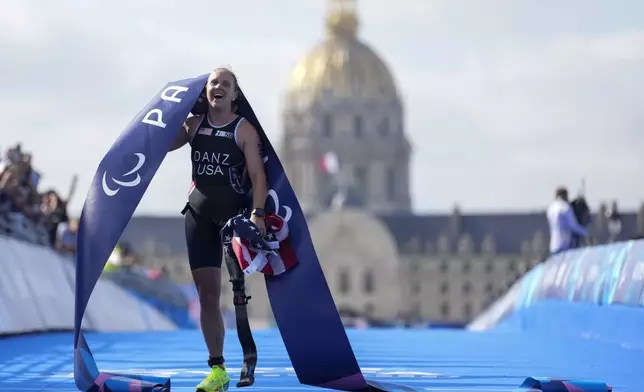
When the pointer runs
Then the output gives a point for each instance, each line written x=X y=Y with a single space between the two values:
x=444 y=288
x=415 y=311
x=467 y=267
x=489 y=267
x=415 y=288
x=327 y=125
x=325 y=185
x=445 y=310
x=369 y=309
x=489 y=288
x=358 y=127
x=467 y=311
x=467 y=288
x=444 y=267
x=383 y=127
x=360 y=174
x=391 y=184
x=512 y=267
x=345 y=283
x=369 y=282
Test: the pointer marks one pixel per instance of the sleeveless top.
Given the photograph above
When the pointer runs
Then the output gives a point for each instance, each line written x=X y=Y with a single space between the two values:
x=220 y=186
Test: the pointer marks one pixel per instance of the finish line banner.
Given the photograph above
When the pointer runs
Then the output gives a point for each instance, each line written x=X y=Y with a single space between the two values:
x=301 y=301
x=122 y=178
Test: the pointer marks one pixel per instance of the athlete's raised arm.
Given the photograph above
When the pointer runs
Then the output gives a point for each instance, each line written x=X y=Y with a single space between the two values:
x=186 y=132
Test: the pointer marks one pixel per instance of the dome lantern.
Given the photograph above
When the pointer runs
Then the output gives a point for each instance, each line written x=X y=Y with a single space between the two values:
x=342 y=20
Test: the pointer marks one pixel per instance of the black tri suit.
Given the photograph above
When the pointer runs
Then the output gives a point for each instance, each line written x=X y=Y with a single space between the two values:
x=220 y=190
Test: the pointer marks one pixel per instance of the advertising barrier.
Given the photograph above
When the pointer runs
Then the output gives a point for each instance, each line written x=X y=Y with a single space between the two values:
x=36 y=295
x=161 y=289
x=161 y=293
x=601 y=275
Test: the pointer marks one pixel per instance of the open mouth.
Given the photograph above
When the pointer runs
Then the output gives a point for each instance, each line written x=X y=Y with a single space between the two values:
x=218 y=95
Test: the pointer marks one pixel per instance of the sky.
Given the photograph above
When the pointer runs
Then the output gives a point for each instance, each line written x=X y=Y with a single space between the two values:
x=504 y=99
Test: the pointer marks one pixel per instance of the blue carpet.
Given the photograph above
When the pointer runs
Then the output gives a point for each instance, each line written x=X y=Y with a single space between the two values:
x=432 y=360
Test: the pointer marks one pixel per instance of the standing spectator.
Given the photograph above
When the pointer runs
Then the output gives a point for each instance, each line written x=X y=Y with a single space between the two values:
x=12 y=156
x=10 y=187
x=614 y=222
x=563 y=223
x=66 y=236
x=6 y=207
x=55 y=212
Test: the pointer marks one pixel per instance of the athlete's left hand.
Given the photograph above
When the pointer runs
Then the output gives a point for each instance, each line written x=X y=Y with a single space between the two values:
x=259 y=222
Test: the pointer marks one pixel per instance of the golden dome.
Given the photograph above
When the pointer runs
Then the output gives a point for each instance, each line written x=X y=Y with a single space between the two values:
x=341 y=67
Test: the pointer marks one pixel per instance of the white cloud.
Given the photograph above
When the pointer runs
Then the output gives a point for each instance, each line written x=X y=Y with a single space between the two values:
x=562 y=110
x=22 y=23
x=628 y=46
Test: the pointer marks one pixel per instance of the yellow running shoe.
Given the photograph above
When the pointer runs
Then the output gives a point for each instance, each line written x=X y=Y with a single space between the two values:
x=217 y=381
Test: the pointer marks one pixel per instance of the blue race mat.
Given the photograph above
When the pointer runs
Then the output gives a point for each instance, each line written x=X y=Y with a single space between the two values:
x=430 y=360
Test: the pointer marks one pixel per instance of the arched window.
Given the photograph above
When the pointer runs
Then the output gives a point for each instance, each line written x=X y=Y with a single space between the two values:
x=361 y=177
x=391 y=184
x=445 y=310
x=345 y=281
x=358 y=127
x=415 y=288
x=327 y=126
x=369 y=282
x=467 y=311
x=512 y=267
x=467 y=288
x=383 y=127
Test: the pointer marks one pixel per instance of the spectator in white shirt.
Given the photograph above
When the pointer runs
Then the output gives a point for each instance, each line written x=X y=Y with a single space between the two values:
x=563 y=223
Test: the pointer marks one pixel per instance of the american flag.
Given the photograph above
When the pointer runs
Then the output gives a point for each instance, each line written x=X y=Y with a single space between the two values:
x=271 y=255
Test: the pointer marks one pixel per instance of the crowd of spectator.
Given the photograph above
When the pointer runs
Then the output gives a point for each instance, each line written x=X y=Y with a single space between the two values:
x=41 y=217
x=27 y=213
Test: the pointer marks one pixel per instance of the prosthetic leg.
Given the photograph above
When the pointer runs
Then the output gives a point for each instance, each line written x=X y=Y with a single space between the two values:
x=240 y=300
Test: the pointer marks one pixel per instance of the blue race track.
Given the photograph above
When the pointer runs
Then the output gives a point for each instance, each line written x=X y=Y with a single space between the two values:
x=578 y=316
x=431 y=360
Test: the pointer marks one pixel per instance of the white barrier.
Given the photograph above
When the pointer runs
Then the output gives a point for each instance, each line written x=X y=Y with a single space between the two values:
x=37 y=294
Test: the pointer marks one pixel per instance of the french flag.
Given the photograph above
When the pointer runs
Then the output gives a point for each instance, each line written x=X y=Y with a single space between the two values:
x=329 y=163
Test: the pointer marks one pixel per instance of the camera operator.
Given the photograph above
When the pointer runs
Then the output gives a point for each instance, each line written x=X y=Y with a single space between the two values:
x=565 y=230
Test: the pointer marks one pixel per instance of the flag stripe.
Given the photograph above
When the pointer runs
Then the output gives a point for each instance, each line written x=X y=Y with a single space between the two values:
x=242 y=240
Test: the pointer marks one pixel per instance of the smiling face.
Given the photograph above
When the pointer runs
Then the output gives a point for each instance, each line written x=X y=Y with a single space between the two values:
x=221 y=89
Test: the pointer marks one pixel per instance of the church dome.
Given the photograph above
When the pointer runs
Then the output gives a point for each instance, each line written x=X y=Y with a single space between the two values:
x=341 y=68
